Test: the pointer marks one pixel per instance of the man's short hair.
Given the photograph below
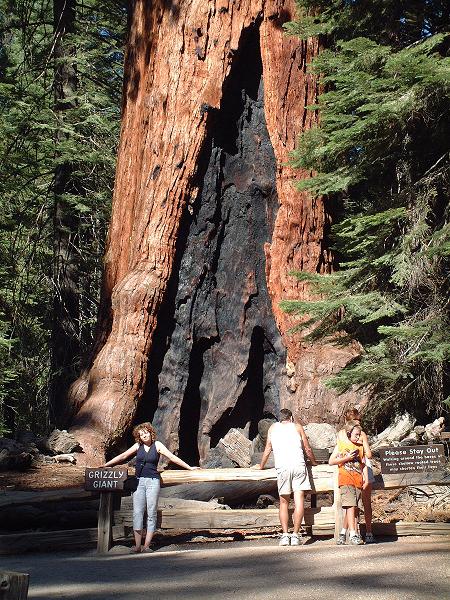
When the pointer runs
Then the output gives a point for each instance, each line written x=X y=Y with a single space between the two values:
x=285 y=414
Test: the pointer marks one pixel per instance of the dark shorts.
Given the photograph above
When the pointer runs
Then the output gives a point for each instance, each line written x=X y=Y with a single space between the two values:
x=350 y=496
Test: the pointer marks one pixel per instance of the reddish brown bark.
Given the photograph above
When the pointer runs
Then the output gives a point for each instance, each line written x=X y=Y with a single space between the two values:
x=178 y=65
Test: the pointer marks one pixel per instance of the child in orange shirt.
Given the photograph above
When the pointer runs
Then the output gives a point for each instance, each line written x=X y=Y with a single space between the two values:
x=353 y=414
x=352 y=478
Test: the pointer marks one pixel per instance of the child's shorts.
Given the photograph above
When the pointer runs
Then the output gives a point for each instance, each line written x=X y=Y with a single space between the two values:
x=350 y=496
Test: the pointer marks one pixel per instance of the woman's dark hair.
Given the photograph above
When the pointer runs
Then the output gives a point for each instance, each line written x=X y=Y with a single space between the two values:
x=285 y=414
x=148 y=427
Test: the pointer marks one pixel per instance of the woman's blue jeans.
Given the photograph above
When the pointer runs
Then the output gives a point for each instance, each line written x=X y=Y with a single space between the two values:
x=146 y=496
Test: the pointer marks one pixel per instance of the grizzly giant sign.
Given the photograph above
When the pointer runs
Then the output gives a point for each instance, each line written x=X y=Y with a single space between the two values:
x=105 y=480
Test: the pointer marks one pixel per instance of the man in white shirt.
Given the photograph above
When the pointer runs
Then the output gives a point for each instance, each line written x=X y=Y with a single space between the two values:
x=289 y=443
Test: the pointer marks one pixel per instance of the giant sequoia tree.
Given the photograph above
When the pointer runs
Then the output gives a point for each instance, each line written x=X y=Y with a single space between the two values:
x=206 y=225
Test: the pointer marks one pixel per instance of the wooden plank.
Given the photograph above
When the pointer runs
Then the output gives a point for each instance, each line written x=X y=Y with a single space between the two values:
x=390 y=529
x=13 y=586
x=105 y=514
x=321 y=454
x=224 y=519
x=388 y=482
x=175 y=503
x=44 y=541
x=16 y=498
x=322 y=477
x=321 y=480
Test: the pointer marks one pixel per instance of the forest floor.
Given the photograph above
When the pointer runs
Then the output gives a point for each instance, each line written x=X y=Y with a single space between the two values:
x=43 y=477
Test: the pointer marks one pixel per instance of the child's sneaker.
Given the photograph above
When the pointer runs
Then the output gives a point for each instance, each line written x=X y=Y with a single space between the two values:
x=355 y=540
x=369 y=539
x=285 y=539
x=341 y=540
x=296 y=539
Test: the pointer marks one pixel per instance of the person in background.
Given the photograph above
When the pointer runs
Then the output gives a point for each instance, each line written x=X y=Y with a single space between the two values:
x=288 y=442
x=352 y=479
x=147 y=450
x=353 y=414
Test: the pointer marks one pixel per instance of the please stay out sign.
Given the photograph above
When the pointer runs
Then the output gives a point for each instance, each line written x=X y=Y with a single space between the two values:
x=412 y=459
x=104 y=480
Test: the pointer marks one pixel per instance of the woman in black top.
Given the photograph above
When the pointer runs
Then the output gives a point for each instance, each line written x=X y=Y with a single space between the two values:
x=147 y=449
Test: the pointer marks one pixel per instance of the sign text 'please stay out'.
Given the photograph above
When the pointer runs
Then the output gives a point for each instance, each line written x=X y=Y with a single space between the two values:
x=412 y=459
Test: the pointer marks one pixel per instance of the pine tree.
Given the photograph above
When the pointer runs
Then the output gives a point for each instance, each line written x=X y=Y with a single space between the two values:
x=381 y=158
x=34 y=146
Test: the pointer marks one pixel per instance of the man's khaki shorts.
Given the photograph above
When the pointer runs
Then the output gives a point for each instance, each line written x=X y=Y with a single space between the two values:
x=292 y=480
x=350 y=496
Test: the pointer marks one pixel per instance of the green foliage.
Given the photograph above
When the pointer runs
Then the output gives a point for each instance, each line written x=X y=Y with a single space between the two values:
x=31 y=147
x=381 y=158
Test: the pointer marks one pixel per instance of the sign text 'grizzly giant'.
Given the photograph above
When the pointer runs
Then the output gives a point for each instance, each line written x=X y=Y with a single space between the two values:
x=104 y=479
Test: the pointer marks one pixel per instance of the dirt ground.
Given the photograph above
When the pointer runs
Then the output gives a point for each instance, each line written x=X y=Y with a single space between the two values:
x=43 y=477
x=407 y=569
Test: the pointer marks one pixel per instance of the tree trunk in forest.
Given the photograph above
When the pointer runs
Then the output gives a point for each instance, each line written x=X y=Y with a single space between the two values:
x=65 y=339
x=206 y=226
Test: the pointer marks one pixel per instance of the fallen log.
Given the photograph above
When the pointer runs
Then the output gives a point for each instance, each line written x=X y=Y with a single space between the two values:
x=175 y=504
x=230 y=492
x=16 y=498
x=321 y=476
x=83 y=538
x=224 y=519
x=49 y=541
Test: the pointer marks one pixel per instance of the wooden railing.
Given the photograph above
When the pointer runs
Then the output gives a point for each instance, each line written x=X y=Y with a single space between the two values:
x=323 y=479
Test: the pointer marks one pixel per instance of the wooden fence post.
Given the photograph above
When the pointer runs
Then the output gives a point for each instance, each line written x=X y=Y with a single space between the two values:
x=13 y=586
x=105 y=516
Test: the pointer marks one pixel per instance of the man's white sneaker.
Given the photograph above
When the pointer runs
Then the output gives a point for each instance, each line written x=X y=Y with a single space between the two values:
x=355 y=540
x=296 y=539
x=285 y=539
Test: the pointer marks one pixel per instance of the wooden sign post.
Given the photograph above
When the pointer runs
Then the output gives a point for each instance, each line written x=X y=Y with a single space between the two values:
x=106 y=481
x=13 y=586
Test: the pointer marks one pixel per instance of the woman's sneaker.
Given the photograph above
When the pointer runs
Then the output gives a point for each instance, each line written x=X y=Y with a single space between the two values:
x=296 y=539
x=285 y=540
x=355 y=540
x=369 y=539
x=341 y=540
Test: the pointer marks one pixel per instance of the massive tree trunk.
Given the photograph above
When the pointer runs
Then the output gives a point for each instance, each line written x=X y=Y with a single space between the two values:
x=206 y=226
